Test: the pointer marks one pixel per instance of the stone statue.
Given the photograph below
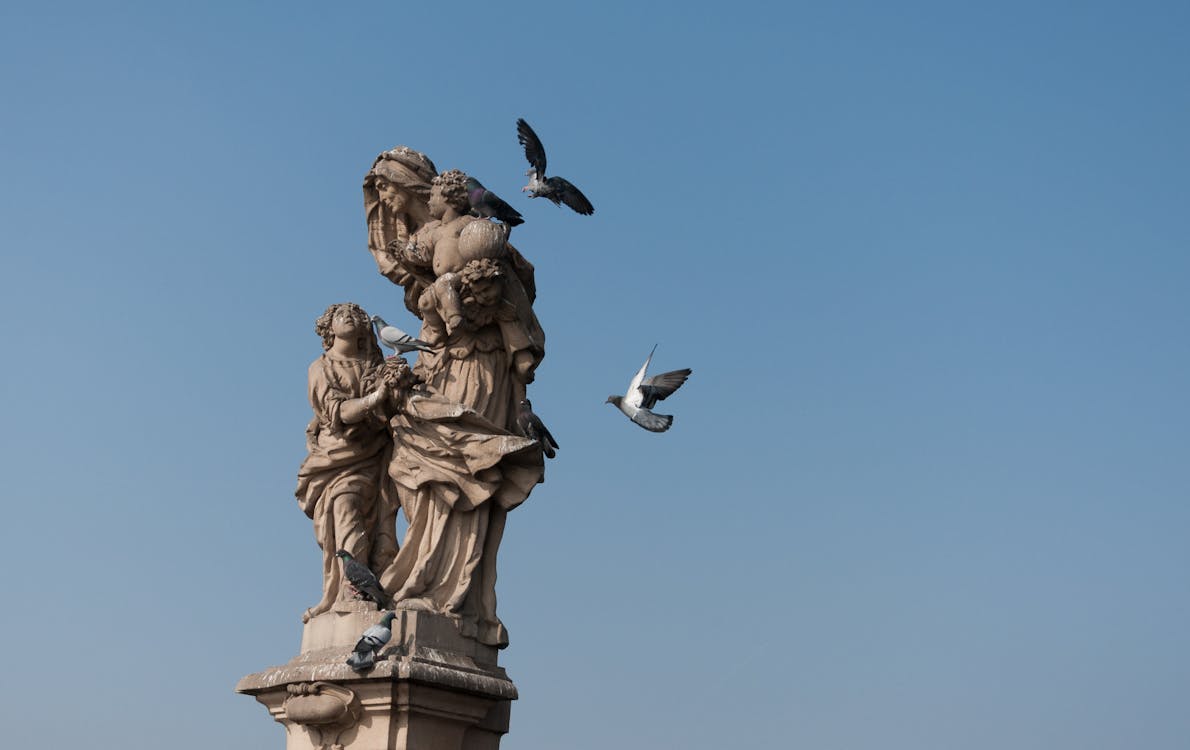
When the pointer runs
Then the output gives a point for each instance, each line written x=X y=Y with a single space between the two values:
x=473 y=292
x=434 y=442
x=339 y=482
x=396 y=202
x=456 y=475
x=478 y=308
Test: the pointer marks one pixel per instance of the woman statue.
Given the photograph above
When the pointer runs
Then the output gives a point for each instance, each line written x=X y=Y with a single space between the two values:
x=347 y=442
x=457 y=475
x=396 y=196
x=456 y=469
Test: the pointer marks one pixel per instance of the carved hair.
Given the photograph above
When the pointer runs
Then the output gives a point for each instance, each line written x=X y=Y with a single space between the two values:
x=367 y=340
x=454 y=189
x=478 y=270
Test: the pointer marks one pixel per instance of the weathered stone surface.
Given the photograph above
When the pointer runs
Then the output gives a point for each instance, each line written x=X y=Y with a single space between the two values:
x=431 y=688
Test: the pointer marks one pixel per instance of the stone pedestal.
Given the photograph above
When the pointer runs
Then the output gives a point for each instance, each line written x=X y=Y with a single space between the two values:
x=431 y=688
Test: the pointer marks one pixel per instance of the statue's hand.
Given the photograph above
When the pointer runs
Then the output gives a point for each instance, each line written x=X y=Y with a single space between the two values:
x=414 y=253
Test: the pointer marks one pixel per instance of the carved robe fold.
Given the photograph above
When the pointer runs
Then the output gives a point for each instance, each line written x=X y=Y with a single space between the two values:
x=456 y=475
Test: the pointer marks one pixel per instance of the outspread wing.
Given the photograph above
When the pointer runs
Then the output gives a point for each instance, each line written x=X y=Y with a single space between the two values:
x=659 y=387
x=571 y=196
x=534 y=151
x=634 y=396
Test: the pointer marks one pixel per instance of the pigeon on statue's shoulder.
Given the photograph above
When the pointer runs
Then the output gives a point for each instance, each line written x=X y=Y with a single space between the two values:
x=396 y=339
x=487 y=205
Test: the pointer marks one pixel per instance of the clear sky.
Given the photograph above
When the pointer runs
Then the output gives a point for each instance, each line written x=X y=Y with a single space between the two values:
x=927 y=487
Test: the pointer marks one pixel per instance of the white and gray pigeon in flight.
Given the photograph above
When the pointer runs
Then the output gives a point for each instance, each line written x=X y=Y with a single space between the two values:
x=644 y=393
x=363 y=656
x=396 y=339
x=557 y=189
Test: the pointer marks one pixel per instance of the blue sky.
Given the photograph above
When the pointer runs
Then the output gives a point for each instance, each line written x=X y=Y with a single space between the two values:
x=927 y=486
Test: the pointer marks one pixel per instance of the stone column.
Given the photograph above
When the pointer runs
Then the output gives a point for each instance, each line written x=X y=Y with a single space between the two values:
x=431 y=688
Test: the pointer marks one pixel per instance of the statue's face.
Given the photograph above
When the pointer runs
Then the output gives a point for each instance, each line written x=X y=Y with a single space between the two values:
x=345 y=323
x=437 y=202
x=487 y=292
x=392 y=196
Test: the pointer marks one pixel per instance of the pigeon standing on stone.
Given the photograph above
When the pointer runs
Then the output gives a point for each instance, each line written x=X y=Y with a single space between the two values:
x=362 y=579
x=396 y=339
x=363 y=656
x=643 y=393
x=533 y=428
x=557 y=189
x=487 y=205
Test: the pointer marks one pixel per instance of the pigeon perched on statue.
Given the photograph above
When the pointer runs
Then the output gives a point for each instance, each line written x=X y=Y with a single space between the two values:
x=362 y=579
x=396 y=339
x=363 y=656
x=487 y=205
x=533 y=428
x=644 y=393
x=557 y=189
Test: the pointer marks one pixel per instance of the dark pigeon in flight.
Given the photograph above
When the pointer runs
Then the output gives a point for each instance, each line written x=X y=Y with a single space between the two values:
x=533 y=428
x=487 y=205
x=643 y=393
x=396 y=339
x=362 y=579
x=557 y=189
x=363 y=656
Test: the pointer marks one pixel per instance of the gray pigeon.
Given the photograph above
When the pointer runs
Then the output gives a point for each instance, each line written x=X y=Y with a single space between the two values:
x=362 y=579
x=363 y=656
x=533 y=428
x=643 y=393
x=396 y=339
x=487 y=205
x=557 y=189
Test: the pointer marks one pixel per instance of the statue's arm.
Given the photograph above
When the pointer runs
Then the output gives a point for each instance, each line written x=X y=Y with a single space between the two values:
x=358 y=409
x=335 y=408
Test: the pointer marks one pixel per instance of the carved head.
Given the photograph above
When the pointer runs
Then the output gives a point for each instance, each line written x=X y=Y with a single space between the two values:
x=449 y=189
x=396 y=194
x=348 y=319
x=481 y=282
x=404 y=169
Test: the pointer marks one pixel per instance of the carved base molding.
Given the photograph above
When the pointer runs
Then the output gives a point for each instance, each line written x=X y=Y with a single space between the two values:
x=431 y=689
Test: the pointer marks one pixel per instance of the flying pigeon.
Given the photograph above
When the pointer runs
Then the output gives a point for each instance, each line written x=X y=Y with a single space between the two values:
x=557 y=189
x=363 y=580
x=487 y=205
x=644 y=393
x=363 y=656
x=396 y=339
x=532 y=427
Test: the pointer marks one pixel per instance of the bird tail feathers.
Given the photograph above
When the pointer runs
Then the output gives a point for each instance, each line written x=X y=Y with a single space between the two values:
x=361 y=661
